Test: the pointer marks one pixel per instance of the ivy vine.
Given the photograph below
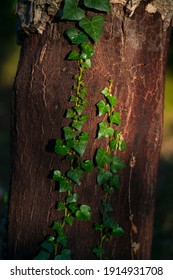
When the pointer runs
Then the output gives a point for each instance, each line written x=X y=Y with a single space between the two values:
x=108 y=165
x=71 y=147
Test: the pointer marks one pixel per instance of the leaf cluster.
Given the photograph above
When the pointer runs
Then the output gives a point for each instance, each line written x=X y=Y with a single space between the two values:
x=108 y=164
x=89 y=28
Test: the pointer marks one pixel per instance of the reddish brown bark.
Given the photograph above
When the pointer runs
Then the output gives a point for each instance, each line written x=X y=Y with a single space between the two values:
x=132 y=52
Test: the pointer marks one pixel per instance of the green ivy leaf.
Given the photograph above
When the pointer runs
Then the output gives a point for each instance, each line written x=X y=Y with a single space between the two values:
x=50 y=239
x=71 y=11
x=102 y=157
x=102 y=107
x=99 y=5
x=73 y=55
x=76 y=37
x=60 y=206
x=72 y=198
x=112 y=100
x=118 y=143
x=57 y=227
x=46 y=245
x=105 y=91
x=79 y=109
x=80 y=145
x=65 y=255
x=69 y=133
x=86 y=63
x=98 y=251
x=113 y=145
x=70 y=113
x=83 y=213
x=73 y=98
x=75 y=175
x=83 y=118
x=108 y=221
x=114 y=181
x=115 y=118
x=62 y=239
x=42 y=255
x=117 y=164
x=117 y=231
x=56 y=175
x=87 y=165
x=61 y=149
x=84 y=102
x=103 y=176
x=64 y=185
x=87 y=51
x=104 y=130
x=69 y=220
x=98 y=226
x=92 y=27
x=73 y=207
x=77 y=124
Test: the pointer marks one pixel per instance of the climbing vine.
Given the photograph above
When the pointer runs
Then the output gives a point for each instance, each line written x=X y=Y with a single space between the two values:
x=108 y=165
x=71 y=147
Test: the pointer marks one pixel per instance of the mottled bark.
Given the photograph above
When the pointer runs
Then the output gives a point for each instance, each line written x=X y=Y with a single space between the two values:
x=132 y=52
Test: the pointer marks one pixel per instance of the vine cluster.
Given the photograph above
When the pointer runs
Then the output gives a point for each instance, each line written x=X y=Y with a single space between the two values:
x=72 y=145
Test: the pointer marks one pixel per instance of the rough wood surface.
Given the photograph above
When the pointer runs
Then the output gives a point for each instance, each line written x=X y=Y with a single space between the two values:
x=132 y=52
x=35 y=15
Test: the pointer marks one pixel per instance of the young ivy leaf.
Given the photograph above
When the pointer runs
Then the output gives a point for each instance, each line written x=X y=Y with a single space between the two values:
x=86 y=63
x=112 y=100
x=117 y=164
x=87 y=165
x=80 y=145
x=70 y=113
x=105 y=91
x=98 y=251
x=60 y=206
x=115 y=118
x=87 y=51
x=114 y=181
x=92 y=27
x=73 y=55
x=99 y=5
x=102 y=157
x=42 y=255
x=75 y=175
x=104 y=130
x=102 y=107
x=46 y=245
x=69 y=133
x=72 y=198
x=77 y=124
x=117 y=231
x=103 y=176
x=76 y=37
x=79 y=109
x=73 y=207
x=71 y=11
x=61 y=149
x=83 y=213
x=56 y=175
x=65 y=255
x=69 y=220
x=64 y=185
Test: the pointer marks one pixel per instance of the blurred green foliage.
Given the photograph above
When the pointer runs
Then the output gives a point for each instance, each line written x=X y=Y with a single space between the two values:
x=9 y=55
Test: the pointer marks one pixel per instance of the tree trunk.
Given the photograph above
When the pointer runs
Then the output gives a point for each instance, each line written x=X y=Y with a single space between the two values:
x=132 y=52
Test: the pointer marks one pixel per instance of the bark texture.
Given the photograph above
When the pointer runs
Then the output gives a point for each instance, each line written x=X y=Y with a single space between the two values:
x=132 y=52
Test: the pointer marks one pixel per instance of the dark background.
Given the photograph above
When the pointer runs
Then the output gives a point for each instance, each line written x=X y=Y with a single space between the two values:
x=9 y=55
